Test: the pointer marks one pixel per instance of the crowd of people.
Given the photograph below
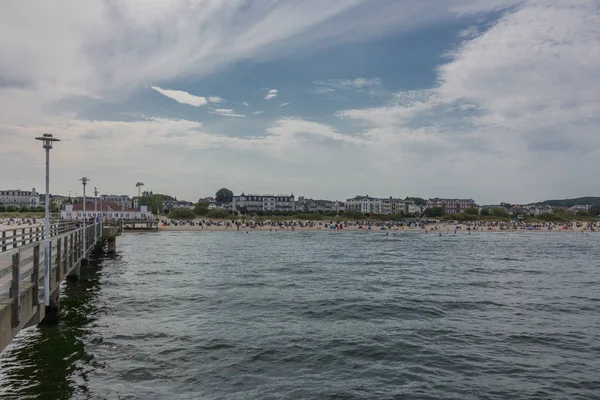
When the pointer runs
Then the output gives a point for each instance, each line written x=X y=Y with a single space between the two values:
x=423 y=225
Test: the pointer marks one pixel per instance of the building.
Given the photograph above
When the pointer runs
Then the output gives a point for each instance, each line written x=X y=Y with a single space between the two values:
x=364 y=205
x=411 y=207
x=580 y=207
x=106 y=209
x=208 y=200
x=121 y=199
x=181 y=204
x=19 y=198
x=168 y=203
x=305 y=205
x=451 y=206
x=265 y=202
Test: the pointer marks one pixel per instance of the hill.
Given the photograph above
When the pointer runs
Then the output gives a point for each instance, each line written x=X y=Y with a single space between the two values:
x=572 y=202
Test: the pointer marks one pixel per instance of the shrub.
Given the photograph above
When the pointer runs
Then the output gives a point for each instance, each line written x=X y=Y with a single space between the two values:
x=218 y=214
x=182 y=213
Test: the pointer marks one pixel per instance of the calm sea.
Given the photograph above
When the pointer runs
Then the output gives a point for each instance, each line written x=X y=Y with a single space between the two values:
x=322 y=315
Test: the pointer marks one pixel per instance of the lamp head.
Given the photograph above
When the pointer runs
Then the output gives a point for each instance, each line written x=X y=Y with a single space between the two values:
x=47 y=139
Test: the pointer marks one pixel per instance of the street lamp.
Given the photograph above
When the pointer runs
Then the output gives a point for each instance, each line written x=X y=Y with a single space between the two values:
x=84 y=181
x=95 y=214
x=47 y=139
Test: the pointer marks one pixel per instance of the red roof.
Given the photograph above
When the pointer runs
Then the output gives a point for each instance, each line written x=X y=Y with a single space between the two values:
x=107 y=206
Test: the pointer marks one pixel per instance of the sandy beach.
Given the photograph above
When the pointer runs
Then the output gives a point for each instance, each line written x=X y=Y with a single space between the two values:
x=219 y=225
x=369 y=226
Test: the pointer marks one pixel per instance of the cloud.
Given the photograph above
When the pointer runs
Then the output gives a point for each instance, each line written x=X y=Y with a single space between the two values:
x=284 y=104
x=226 y=112
x=215 y=99
x=182 y=97
x=524 y=92
x=245 y=104
x=516 y=101
x=110 y=49
x=272 y=93
x=371 y=86
x=258 y=112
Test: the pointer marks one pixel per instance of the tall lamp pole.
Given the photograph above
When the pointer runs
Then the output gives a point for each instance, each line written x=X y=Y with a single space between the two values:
x=95 y=214
x=84 y=181
x=47 y=139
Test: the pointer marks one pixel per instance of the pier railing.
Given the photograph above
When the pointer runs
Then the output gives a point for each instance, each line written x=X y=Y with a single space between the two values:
x=22 y=236
x=22 y=271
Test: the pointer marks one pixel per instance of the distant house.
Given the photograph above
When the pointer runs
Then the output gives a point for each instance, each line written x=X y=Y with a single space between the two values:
x=181 y=204
x=208 y=200
x=105 y=209
x=451 y=206
x=121 y=199
x=364 y=205
x=580 y=207
x=19 y=198
x=264 y=202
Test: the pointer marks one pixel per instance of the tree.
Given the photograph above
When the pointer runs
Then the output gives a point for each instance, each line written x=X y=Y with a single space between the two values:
x=201 y=208
x=472 y=211
x=224 y=196
x=499 y=212
x=595 y=210
x=418 y=201
x=182 y=213
x=218 y=214
x=485 y=212
x=155 y=202
x=435 y=212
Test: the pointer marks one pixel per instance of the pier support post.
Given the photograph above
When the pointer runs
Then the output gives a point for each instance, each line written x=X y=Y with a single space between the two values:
x=52 y=310
x=112 y=245
x=15 y=288
x=35 y=277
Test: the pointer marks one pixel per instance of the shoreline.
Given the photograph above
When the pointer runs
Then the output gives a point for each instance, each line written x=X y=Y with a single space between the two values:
x=364 y=226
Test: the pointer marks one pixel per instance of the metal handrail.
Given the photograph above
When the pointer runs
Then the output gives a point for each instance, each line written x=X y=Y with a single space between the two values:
x=20 y=237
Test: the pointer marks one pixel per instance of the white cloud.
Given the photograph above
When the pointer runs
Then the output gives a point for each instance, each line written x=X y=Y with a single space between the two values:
x=182 y=97
x=227 y=112
x=272 y=93
x=215 y=99
x=258 y=112
x=521 y=98
x=517 y=101
x=246 y=104
x=284 y=104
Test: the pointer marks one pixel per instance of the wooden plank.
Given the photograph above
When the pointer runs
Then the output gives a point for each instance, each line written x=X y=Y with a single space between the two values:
x=65 y=255
x=3 y=240
x=72 y=251
x=58 y=260
x=35 y=277
x=15 y=289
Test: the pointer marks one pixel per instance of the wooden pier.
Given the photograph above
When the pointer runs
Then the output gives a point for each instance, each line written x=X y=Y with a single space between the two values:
x=134 y=225
x=22 y=262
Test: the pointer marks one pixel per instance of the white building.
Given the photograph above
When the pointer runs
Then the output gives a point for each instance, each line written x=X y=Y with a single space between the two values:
x=121 y=199
x=265 y=202
x=364 y=205
x=451 y=206
x=105 y=209
x=19 y=198
x=181 y=204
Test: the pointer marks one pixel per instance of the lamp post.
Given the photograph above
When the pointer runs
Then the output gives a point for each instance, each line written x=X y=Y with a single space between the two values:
x=47 y=139
x=95 y=214
x=84 y=181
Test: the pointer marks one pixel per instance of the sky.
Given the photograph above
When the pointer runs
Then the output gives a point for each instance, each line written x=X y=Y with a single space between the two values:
x=495 y=100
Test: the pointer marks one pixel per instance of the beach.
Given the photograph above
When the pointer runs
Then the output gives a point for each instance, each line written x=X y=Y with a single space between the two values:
x=210 y=225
